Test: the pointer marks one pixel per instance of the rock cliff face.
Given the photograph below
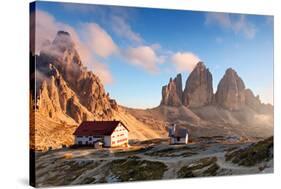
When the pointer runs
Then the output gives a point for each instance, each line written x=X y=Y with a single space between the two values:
x=231 y=91
x=172 y=93
x=254 y=103
x=251 y=100
x=198 y=90
x=66 y=91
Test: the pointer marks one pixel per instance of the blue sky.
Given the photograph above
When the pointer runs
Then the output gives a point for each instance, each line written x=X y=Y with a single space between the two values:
x=136 y=50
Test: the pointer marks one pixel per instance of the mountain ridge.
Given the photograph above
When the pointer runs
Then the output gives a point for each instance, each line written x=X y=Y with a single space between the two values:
x=66 y=93
x=231 y=92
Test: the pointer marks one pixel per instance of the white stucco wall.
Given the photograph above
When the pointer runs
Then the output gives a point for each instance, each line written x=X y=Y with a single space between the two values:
x=119 y=136
x=85 y=139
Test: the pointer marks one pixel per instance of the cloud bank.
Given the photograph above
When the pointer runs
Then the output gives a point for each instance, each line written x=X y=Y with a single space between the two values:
x=184 y=61
x=235 y=23
x=95 y=44
x=124 y=30
x=98 y=42
x=144 y=57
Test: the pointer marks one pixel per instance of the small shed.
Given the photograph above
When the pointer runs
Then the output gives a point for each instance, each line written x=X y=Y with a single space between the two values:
x=178 y=135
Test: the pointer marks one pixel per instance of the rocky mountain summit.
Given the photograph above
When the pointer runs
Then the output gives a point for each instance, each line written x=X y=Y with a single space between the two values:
x=198 y=90
x=172 y=93
x=67 y=91
x=231 y=92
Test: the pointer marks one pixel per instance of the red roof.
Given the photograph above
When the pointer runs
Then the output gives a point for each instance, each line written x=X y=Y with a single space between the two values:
x=97 y=128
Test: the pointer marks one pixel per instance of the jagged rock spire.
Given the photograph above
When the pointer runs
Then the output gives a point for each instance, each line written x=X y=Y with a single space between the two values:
x=199 y=87
x=172 y=93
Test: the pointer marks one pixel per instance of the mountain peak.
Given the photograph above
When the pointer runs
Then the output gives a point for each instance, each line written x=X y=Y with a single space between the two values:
x=230 y=71
x=178 y=77
x=198 y=88
x=61 y=60
x=230 y=92
x=63 y=41
x=63 y=33
x=200 y=64
x=172 y=93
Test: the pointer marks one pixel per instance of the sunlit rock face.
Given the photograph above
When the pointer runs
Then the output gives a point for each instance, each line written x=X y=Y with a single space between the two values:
x=198 y=90
x=231 y=91
x=172 y=93
x=66 y=90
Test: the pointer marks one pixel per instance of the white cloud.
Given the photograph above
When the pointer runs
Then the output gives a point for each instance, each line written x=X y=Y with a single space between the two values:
x=237 y=23
x=184 y=61
x=99 y=40
x=144 y=57
x=223 y=19
x=47 y=26
x=124 y=30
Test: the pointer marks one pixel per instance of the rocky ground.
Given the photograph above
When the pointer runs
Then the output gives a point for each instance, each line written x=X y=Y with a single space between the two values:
x=152 y=160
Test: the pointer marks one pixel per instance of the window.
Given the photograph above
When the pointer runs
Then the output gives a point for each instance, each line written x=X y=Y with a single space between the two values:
x=122 y=140
x=80 y=142
x=178 y=138
x=90 y=138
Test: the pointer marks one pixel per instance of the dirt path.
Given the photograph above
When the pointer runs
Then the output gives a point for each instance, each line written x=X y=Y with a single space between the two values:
x=226 y=165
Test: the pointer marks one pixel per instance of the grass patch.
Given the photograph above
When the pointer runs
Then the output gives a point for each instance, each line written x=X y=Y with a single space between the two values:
x=88 y=180
x=134 y=169
x=212 y=170
x=189 y=170
x=184 y=151
x=252 y=155
x=64 y=172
